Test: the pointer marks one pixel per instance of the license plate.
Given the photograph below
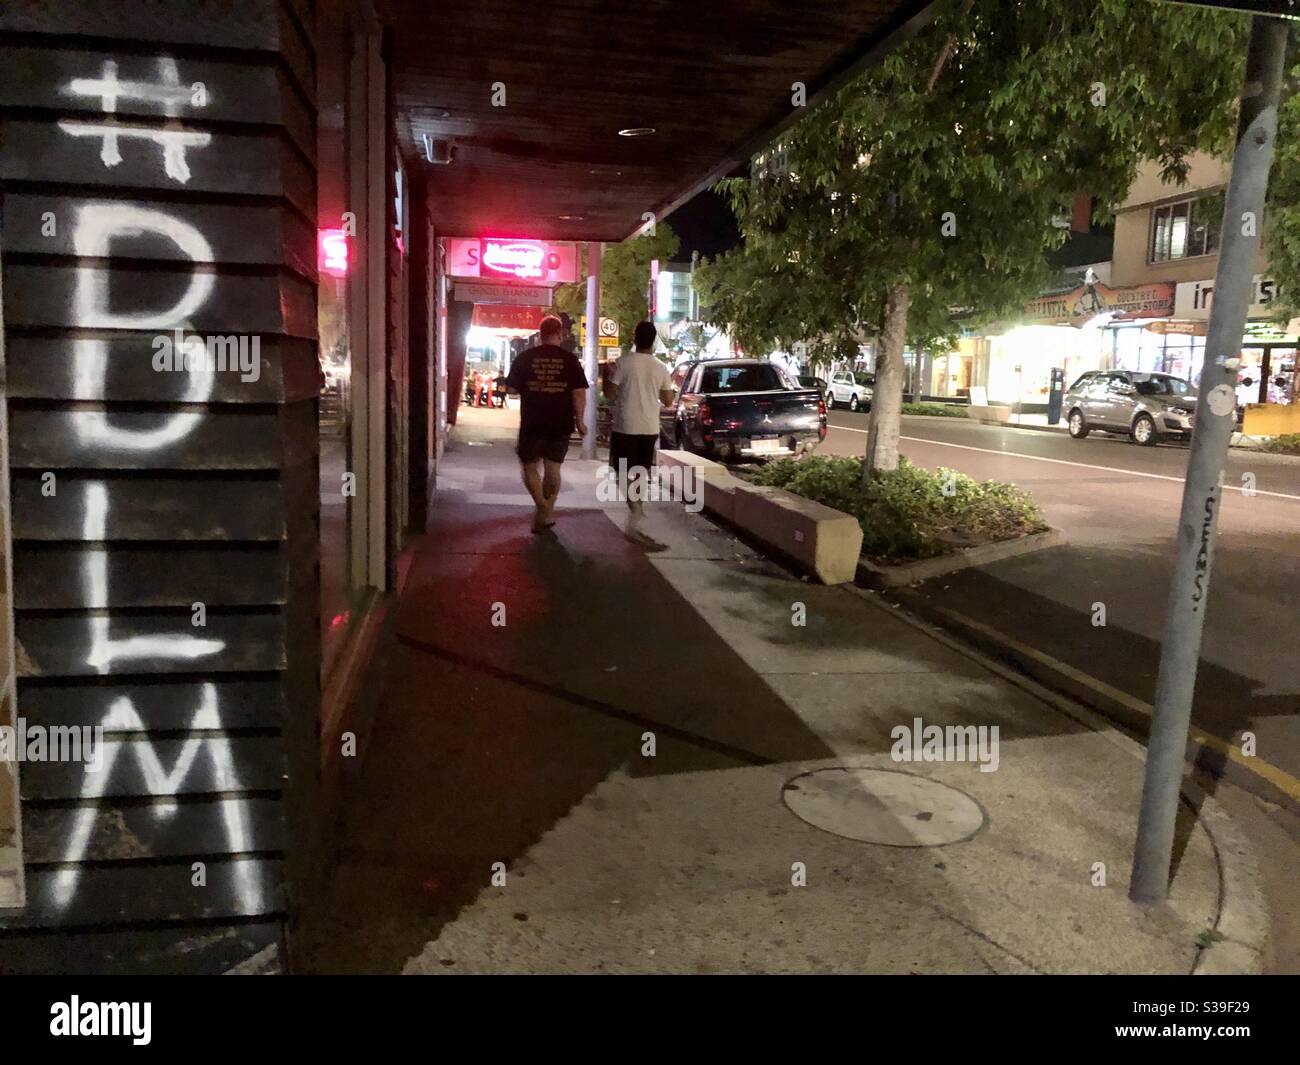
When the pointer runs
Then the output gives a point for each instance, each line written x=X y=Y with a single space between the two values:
x=770 y=443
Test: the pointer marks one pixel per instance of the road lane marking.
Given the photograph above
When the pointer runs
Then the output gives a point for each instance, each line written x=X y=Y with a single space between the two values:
x=1067 y=462
x=1275 y=775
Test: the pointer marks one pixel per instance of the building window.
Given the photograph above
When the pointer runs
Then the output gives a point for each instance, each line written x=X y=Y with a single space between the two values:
x=1185 y=229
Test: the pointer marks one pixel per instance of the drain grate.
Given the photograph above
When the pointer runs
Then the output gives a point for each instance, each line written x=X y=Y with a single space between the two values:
x=884 y=806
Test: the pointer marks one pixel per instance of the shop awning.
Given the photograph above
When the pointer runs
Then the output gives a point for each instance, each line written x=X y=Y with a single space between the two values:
x=533 y=96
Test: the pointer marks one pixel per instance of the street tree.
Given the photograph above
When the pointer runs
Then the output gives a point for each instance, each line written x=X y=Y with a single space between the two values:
x=624 y=279
x=1282 y=221
x=930 y=183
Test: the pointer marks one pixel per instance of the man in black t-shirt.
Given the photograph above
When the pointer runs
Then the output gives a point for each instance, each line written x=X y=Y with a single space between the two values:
x=552 y=391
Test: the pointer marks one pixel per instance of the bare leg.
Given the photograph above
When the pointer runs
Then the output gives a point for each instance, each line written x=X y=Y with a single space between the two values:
x=533 y=482
x=550 y=485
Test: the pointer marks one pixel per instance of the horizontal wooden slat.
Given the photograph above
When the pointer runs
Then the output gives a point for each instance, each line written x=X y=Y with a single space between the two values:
x=219 y=440
x=173 y=950
x=61 y=646
x=65 y=577
x=245 y=24
x=231 y=92
x=239 y=887
x=237 y=305
x=46 y=368
x=227 y=163
x=150 y=508
x=268 y=235
x=122 y=831
x=159 y=706
x=141 y=766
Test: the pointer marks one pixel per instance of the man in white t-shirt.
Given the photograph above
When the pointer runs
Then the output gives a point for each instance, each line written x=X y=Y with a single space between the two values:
x=638 y=385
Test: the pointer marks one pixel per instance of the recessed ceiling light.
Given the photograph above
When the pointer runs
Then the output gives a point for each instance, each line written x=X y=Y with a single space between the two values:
x=570 y=217
x=615 y=173
x=636 y=131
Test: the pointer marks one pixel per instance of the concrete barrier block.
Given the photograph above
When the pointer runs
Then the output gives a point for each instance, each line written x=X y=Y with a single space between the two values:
x=701 y=475
x=703 y=467
x=720 y=495
x=824 y=541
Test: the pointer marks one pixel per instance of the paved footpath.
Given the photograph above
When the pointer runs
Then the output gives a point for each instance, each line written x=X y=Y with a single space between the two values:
x=525 y=743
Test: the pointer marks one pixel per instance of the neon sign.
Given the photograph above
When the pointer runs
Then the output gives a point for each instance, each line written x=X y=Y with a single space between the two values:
x=332 y=252
x=524 y=259
x=515 y=260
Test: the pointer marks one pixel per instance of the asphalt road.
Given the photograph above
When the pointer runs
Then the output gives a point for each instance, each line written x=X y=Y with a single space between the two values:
x=1118 y=504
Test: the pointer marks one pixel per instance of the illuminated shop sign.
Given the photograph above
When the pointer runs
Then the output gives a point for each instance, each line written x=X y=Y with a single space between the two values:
x=1089 y=300
x=528 y=262
x=332 y=252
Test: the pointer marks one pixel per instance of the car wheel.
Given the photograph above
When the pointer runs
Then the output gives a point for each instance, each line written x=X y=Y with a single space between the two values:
x=1144 y=431
x=1078 y=427
x=853 y=402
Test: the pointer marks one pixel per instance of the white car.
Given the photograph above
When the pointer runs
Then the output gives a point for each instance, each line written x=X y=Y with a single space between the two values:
x=852 y=389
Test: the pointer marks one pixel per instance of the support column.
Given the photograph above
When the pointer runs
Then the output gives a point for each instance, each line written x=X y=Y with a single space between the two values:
x=160 y=319
x=590 y=354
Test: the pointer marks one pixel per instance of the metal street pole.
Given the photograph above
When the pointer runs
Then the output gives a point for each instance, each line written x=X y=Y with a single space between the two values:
x=1202 y=489
x=590 y=353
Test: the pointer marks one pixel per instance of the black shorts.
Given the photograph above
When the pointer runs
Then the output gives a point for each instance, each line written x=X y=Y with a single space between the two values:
x=552 y=448
x=634 y=449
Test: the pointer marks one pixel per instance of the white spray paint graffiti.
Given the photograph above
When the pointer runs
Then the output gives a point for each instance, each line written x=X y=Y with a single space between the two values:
x=170 y=93
x=97 y=225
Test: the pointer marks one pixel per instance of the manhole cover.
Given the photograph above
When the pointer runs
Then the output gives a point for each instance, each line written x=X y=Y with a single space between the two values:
x=883 y=806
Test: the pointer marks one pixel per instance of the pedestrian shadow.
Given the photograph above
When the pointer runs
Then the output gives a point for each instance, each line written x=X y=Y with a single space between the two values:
x=486 y=736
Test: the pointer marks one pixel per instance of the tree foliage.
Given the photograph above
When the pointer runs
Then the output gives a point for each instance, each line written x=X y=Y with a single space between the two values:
x=1282 y=218
x=937 y=173
x=624 y=277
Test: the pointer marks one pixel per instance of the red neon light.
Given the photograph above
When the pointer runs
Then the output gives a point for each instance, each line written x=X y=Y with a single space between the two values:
x=524 y=259
x=332 y=252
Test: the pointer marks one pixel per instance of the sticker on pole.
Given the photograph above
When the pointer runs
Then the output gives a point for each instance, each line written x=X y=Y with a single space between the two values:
x=1221 y=400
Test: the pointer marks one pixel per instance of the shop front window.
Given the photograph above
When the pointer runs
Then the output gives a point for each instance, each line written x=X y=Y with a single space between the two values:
x=336 y=231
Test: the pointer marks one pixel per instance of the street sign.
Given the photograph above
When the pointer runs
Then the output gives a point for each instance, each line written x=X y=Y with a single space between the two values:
x=606 y=337
x=487 y=292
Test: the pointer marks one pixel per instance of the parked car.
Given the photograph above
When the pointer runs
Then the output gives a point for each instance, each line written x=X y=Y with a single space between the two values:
x=853 y=388
x=742 y=408
x=1149 y=407
x=819 y=383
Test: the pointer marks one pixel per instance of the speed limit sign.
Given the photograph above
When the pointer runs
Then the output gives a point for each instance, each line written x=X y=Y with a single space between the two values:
x=608 y=333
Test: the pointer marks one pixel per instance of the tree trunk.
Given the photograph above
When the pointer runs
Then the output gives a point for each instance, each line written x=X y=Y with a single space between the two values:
x=887 y=403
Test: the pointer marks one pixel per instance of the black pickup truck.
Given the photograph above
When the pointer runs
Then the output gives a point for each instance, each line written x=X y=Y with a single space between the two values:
x=741 y=408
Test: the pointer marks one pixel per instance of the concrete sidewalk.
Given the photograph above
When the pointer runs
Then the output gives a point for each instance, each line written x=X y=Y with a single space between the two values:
x=522 y=743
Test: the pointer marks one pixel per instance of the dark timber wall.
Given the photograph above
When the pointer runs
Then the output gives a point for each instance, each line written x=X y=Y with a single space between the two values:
x=191 y=206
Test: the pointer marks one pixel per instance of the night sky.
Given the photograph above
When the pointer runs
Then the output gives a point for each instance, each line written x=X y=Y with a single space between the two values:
x=704 y=224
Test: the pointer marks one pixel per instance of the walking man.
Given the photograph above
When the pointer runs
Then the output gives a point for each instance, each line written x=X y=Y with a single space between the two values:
x=638 y=385
x=552 y=391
